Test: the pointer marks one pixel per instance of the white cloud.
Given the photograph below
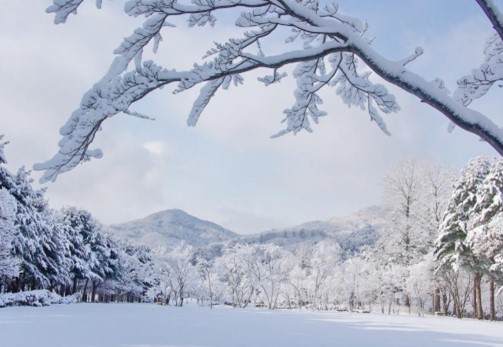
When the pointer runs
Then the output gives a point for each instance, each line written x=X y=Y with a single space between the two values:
x=155 y=147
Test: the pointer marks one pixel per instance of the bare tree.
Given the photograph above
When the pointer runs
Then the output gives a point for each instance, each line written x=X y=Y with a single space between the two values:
x=332 y=48
x=459 y=284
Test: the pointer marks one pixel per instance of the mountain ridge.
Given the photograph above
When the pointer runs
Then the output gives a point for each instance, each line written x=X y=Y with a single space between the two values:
x=163 y=230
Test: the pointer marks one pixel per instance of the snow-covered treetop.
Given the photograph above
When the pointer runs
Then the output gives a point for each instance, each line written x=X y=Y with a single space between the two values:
x=327 y=46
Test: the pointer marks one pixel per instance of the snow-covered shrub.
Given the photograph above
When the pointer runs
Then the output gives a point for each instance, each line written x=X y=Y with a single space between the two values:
x=34 y=298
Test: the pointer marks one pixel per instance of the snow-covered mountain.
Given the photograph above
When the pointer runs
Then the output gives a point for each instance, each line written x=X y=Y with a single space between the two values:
x=163 y=230
x=352 y=232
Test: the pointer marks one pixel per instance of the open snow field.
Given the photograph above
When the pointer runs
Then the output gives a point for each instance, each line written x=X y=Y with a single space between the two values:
x=148 y=325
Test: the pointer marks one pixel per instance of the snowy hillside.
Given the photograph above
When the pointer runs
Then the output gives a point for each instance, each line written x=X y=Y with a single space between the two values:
x=351 y=232
x=163 y=230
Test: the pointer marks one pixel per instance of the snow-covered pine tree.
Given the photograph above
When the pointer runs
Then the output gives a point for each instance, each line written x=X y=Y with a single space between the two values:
x=485 y=239
x=462 y=215
x=102 y=253
x=9 y=265
x=38 y=243
x=71 y=221
x=137 y=271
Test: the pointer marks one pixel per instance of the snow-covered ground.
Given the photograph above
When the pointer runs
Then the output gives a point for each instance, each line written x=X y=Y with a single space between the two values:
x=147 y=325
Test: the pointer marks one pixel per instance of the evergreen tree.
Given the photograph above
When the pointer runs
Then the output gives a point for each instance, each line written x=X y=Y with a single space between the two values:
x=460 y=215
x=38 y=242
x=71 y=222
x=9 y=265
x=476 y=201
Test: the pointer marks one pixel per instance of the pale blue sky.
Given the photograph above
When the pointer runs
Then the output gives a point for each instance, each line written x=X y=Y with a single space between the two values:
x=227 y=169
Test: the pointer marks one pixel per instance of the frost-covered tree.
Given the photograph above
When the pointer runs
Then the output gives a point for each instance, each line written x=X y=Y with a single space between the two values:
x=269 y=270
x=137 y=274
x=415 y=196
x=38 y=242
x=461 y=212
x=486 y=242
x=92 y=255
x=460 y=284
x=420 y=283
x=403 y=189
x=326 y=256
x=235 y=266
x=464 y=233
x=356 y=277
x=298 y=276
x=209 y=276
x=485 y=238
x=330 y=50
x=416 y=193
x=108 y=254
x=9 y=265
x=28 y=233
x=72 y=222
x=178 y=271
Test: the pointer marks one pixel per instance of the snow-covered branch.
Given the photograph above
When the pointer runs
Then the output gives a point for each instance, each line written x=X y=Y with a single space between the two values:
x=333 y=47
x=493 y=14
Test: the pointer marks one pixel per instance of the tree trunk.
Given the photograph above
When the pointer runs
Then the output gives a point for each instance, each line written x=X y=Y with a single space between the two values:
x=436 y=300
x=445 y=302
x=491 y=299
x=93 y=293
x=75 y=284
x=455 y=310
x=84 y=292
x=477 y=279
x=407 y=301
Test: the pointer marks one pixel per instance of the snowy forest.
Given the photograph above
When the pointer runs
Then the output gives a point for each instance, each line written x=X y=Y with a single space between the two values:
x=441 y=253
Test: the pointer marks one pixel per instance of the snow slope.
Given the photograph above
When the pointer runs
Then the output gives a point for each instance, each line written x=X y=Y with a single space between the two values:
x=148 y=325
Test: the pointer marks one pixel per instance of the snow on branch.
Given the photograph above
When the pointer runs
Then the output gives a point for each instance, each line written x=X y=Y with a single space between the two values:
x=334 y=47
x=418 y=52
x=62 y=9
x=493 y=14
x=207 y=92
x=481 y=80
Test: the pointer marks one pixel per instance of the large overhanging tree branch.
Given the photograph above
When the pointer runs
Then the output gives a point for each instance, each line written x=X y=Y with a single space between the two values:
x=327 y=47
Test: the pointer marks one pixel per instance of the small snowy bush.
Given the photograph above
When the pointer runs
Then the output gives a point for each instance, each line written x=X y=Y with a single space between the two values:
x=34 y=298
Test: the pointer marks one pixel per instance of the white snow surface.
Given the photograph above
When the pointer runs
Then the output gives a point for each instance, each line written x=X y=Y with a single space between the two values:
x=149 y=325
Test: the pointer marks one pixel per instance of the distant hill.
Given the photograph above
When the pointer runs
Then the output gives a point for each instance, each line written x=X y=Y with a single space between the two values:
x=351 y=232
x=163 y=230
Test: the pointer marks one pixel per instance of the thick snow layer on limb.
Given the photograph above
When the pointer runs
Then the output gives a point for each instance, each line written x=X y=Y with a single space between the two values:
x=334 y=46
